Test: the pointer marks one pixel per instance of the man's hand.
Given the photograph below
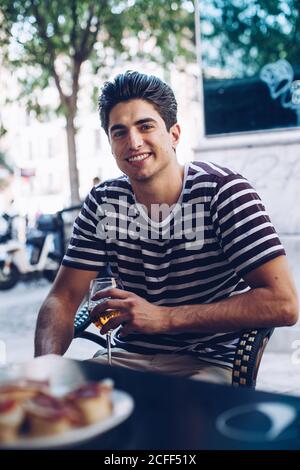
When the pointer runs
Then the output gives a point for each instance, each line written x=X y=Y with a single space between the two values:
x=135 y=313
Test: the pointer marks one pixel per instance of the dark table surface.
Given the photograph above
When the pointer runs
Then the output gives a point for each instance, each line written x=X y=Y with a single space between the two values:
x=175 y=413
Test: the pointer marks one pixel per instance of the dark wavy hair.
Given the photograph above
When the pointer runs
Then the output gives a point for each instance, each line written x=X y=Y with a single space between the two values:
x=134 y=85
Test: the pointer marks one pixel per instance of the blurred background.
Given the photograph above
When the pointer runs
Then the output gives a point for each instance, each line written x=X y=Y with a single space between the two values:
x=234 y=67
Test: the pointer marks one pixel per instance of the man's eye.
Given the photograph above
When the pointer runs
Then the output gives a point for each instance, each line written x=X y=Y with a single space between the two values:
x=118 y=134
x=146 y=127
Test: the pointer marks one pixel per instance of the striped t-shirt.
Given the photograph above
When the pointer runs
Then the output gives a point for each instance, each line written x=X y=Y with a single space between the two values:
x=233 y=235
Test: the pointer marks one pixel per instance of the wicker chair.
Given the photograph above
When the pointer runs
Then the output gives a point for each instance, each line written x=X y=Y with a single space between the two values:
x=247 y=358
x=81 y=322
x=248 y=355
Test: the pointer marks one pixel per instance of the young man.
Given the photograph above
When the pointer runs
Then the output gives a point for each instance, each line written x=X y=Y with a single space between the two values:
x=185 y=299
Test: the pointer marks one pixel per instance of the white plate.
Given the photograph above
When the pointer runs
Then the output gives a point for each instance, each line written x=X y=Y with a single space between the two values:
x=122 y=407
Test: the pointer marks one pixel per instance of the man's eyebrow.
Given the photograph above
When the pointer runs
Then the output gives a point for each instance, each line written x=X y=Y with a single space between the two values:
x=136 y=123
x=116 y=126
x=143 y=121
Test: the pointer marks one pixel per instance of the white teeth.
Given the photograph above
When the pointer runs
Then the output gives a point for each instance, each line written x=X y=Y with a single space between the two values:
x=139 y=158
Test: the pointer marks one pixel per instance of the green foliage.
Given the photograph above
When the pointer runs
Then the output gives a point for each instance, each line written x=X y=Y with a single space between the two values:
x=170 y=23
x=50 y=40
x=53 y=38
x=254 y=31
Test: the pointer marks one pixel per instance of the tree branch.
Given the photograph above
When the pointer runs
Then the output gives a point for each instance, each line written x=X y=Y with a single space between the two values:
x=80 y=53
x=93 y=35
x=41 y=24
x=74 y=15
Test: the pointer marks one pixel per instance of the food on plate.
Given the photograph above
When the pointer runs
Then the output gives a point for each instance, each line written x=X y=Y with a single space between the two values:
x=11 y=419
x=93 y=401
x=46 y=415
x=29 y=409
x=12 y=396
x=22 y=389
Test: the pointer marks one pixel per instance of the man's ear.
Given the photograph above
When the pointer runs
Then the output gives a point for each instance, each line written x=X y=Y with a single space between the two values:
x=175 y=134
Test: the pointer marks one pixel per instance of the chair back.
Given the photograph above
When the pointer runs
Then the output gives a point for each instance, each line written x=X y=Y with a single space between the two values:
x=248 y=356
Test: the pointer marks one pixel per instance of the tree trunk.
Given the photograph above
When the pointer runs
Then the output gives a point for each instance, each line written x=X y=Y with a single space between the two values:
x=73 y=171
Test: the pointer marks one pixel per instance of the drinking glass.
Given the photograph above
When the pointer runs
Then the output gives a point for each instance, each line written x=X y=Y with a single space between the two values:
x=97 y=285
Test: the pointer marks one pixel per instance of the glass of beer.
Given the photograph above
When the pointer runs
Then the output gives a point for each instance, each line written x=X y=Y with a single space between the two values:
x=97 y=285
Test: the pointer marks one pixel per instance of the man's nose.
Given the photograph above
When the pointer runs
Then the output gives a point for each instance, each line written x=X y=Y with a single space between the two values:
x=135 y=139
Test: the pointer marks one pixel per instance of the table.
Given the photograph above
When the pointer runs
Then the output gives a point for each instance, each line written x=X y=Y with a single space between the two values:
x=176 y=413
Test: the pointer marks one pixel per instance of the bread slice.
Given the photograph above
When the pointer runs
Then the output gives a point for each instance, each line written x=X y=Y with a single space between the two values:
x=11 y=419
x=93 y=401
x=23 y=389
x=47 y=415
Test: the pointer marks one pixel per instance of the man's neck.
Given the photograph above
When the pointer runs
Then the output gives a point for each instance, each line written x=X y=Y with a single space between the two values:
x=163 y=189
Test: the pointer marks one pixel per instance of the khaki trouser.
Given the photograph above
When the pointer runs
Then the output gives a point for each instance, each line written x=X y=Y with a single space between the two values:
x=175 y=364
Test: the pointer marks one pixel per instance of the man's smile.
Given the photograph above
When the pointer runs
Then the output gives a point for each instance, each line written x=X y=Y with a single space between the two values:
x=139 y=157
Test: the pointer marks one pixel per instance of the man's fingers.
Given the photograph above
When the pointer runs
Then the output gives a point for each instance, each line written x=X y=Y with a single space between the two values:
x=100 y=310
x=125 y=330
x=113 y=323
x=113 y=292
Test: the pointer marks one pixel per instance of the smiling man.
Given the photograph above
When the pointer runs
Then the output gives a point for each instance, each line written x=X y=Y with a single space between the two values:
x=185 y=300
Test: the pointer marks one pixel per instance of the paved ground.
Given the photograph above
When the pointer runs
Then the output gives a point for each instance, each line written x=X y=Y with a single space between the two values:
x=19 y=310
x=279 y=370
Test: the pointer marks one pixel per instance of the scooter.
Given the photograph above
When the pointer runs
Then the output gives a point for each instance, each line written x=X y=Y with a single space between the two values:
x=38 y=256
x=5 y=227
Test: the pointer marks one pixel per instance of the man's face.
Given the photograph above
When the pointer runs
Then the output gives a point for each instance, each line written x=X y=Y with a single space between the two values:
x=139 y=139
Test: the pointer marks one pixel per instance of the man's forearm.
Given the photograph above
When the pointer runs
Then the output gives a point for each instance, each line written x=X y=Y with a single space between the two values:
x=54 y=330
x=256 y=308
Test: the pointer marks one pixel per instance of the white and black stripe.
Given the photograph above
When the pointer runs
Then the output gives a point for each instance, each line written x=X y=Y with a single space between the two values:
x=238 y=237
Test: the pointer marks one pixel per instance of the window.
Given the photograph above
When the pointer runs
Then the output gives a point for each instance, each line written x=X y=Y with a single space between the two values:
x=250 y=54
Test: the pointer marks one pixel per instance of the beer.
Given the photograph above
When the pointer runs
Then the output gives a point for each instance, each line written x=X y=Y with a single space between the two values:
x=100 y=321
x=100 y=285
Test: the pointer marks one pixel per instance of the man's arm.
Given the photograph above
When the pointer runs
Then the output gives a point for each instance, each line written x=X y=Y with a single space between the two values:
x=271 y=302
x=55 y=323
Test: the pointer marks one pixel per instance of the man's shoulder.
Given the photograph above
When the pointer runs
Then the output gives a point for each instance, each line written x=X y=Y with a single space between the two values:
x=205 y=179
x=210 y=171
x=208 y=178
x=205 y=176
